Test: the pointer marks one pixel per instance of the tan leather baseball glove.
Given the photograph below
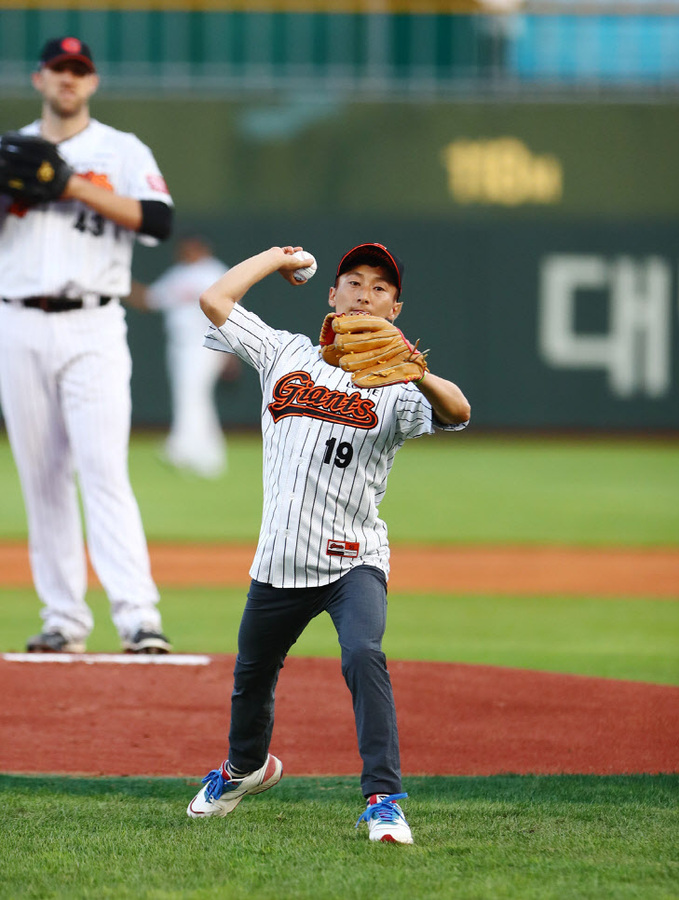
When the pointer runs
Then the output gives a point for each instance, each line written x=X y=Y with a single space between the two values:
x=373 y=349
x=329 y=352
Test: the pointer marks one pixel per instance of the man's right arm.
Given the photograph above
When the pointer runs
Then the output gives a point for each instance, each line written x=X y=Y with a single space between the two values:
x=221 y=297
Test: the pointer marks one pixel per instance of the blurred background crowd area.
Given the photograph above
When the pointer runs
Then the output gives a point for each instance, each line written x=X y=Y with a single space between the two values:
x=380 y=48
x=520 y=156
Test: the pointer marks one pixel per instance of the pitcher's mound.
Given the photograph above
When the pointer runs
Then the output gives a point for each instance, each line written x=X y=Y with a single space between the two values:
x=113 y=719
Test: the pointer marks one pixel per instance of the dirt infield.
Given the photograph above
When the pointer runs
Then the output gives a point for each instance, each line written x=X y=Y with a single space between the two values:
x=493 y=570
x=454 y=719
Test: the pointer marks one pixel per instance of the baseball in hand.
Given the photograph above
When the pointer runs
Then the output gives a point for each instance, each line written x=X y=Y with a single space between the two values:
x=309 y=271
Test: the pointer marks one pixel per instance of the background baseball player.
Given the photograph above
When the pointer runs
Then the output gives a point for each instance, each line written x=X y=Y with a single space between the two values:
x=68 y=222
x=328 y=447
x=196 y=440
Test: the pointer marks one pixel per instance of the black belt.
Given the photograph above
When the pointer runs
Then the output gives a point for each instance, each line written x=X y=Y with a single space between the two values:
x=56 y=304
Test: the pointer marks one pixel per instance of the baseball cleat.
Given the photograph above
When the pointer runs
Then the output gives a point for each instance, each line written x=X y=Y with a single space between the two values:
x=223 y=792
x=53 y=642
x=147 y=642
x=385 y=819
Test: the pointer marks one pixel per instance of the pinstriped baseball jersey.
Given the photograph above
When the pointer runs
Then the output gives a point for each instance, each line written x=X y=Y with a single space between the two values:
x=65 y=386
x=100 y=261
x=328 y=448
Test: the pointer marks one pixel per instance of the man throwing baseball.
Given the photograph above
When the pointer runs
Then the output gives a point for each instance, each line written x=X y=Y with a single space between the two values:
x=333 y=418
x=74 y=196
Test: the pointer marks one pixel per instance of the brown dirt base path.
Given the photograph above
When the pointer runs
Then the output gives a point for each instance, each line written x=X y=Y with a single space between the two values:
x=108 y=719
x=608 y=572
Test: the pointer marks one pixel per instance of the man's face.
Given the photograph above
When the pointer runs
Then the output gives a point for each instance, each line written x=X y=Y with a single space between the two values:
x=66 y=87
x=365 y=289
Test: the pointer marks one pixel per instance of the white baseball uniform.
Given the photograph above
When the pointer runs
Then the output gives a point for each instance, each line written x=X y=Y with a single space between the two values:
x=65 y=385
x=196 y=440
x=328 y=450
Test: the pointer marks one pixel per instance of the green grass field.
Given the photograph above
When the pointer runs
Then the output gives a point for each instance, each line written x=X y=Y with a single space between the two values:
x=448 y=488
x=634 y=639
x=454 y=489
x=524 y=838
x=482 y=838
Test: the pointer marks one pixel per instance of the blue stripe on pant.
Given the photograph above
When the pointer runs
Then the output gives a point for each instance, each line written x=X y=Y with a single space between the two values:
x=272 y=621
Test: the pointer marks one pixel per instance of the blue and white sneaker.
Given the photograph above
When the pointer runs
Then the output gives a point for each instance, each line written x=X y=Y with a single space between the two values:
x=223 y=792
x=385 y=819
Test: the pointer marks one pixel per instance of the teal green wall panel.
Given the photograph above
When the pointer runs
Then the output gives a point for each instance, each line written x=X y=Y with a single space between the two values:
x=310 y=154
x=328 y=173
x=479 y=297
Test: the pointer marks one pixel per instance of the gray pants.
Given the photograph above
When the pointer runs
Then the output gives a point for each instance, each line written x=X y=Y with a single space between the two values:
x=272 y=621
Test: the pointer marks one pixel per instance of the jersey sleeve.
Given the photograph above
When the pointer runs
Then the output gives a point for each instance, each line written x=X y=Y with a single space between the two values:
x=246 y=335
x=416 y=415
x=143 y=180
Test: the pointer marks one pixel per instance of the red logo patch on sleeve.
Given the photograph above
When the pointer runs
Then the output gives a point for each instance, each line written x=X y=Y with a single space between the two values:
x=157 y=183
x=342 y=548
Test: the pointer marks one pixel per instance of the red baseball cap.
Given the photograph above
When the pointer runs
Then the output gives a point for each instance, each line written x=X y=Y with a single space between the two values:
x=59 y=50
x=373 y=255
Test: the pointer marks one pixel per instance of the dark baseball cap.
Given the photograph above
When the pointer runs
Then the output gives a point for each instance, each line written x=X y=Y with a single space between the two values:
x=61 y=49
x=373 y=255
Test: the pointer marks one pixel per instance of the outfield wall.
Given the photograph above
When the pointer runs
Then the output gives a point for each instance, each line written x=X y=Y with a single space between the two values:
x=567 y=326
x=540 y=240
x=318 y=152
